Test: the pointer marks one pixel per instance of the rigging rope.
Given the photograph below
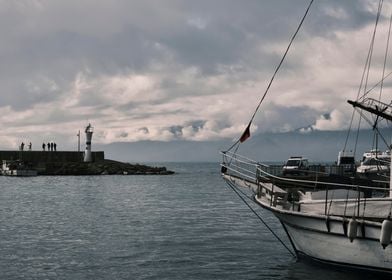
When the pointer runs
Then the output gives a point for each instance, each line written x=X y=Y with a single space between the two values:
x=365 y=72
x=372 y=44
x=273 y=76
x=385 y=58
x=352 y=116
x=258 y=216
x=376 y=128
x=357 y=136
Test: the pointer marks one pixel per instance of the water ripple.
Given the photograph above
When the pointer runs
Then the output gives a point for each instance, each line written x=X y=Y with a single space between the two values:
x=186 y=226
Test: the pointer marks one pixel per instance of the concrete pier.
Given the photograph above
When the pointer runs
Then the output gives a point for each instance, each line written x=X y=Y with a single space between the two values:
x=48 y=157
x=72 y=163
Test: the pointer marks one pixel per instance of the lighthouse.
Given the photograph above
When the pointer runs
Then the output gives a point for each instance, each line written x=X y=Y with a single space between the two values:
x=89 y=134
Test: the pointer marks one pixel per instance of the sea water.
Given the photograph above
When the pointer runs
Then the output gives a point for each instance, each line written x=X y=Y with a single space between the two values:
x=186 y=226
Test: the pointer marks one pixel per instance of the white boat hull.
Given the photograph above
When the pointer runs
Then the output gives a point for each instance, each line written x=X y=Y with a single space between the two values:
x=327 y=241
x=319 y=229
x=20 y=173
x=361 y=253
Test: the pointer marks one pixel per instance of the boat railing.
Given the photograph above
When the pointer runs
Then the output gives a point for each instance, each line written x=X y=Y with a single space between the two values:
x=239 y=166
x=311 y=194
x=315 y=183
x=242 y=167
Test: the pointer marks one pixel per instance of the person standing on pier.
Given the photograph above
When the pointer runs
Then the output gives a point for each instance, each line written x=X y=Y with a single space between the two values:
x=30 y=145
x=54 y=146
x=48 y=146
x=43 y=146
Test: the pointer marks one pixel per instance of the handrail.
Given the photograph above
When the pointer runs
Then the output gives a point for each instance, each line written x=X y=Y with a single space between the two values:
x=248 y=176
x=240 y=170
x=234 y=156
x=257 y=165
x=324 y=183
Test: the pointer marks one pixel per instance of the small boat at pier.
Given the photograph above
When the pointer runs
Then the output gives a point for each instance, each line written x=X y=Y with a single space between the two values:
x=17 y=168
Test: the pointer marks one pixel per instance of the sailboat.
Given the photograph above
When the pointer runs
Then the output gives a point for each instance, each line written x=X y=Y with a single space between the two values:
x=342 y=223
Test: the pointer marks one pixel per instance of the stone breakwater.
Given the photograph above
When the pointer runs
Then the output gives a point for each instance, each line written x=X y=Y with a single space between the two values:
x=104 y=167
x=71 y=163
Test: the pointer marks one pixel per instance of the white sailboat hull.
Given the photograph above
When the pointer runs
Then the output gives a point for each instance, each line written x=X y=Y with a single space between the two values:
x=319 y=229
x=312 y=237
x=336 y=249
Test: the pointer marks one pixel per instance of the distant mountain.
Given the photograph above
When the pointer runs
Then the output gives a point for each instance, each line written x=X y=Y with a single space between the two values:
x=316 y=145
x=159 y=151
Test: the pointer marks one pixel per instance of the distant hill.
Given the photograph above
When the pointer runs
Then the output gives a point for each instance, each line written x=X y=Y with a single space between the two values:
x=316 y=145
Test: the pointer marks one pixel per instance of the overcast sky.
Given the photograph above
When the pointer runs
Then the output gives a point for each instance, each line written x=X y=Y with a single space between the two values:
x=177 y=69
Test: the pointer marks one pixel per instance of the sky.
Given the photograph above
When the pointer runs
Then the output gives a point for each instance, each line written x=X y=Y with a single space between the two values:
x=180 y=70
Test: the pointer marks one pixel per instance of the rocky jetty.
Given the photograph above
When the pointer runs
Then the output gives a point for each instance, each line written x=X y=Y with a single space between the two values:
x=102 y=167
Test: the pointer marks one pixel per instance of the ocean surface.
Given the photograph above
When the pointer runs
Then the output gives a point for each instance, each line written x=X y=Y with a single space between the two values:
x=186 y=226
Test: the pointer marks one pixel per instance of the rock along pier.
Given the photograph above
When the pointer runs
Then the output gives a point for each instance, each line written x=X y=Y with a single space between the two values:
x=72 y=163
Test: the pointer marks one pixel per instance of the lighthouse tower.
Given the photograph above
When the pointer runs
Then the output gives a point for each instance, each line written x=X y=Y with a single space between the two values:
x=89 y=134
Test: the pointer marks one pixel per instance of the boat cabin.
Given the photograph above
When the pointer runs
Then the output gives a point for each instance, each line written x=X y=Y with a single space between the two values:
x=347 y=162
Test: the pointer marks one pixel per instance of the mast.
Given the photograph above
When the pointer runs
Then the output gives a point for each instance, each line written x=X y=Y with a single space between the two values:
x=375 y=107
x=379 y=109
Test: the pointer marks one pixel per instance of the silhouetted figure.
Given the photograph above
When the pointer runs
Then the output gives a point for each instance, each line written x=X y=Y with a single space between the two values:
x=22 y=146
x=48 y=146
x=51 y=146
x=30 y=145
x=43 y=146
x=54 y=146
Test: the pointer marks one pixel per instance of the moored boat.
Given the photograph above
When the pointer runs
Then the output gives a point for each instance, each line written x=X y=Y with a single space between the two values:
x=375 y=165
x=17 y=168
x=330 y=218
x=335 y=223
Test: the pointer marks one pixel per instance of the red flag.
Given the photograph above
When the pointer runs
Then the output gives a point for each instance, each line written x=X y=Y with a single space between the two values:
x=246 y=134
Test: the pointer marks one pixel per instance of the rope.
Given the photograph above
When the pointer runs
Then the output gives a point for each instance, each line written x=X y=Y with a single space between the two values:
x=276 y=70
x=372 y=44
x=330 y=203
x=377 y=84
x=258 y=216
x=376 y=128
x=357 y=136
x=385 y=58
x=370 y=53
x=345 y=204
x=366 y=70
x=364 y=208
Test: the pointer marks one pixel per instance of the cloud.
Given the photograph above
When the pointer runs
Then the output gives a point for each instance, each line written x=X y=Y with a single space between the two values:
x=191 y=70
x=333 y=121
